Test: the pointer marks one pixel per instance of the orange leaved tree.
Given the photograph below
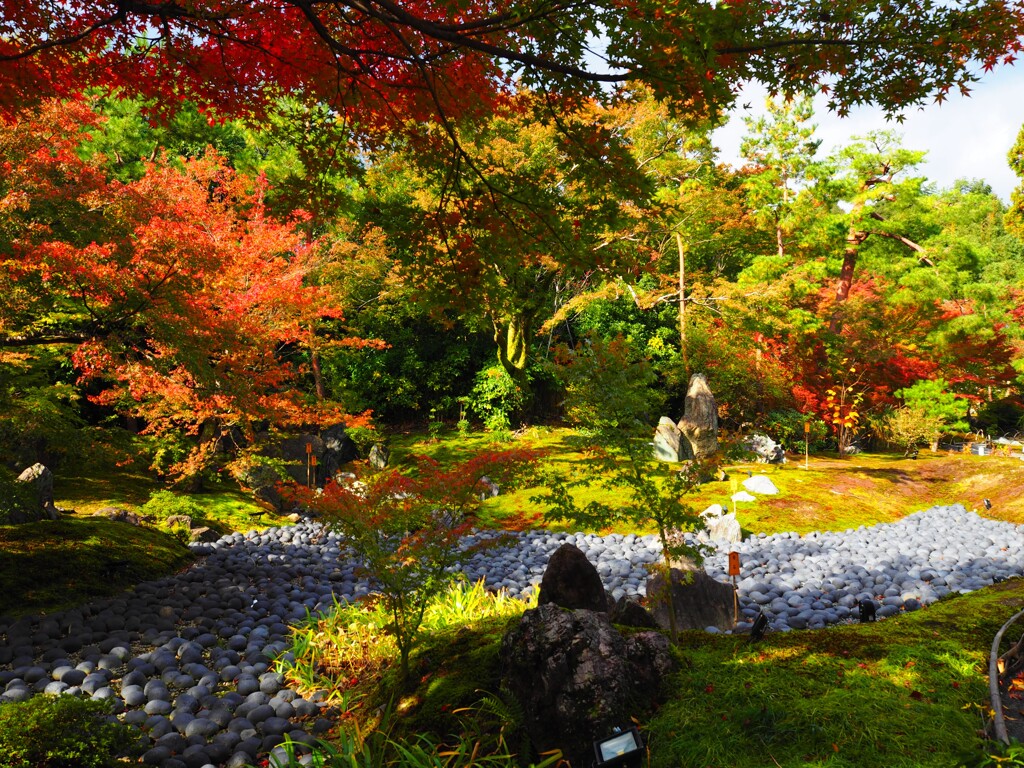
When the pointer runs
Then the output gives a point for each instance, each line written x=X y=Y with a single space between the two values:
x=177 y=297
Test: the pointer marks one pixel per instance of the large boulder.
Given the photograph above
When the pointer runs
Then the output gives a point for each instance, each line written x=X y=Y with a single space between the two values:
x=700 y=601
x=576 y=677
x=339 y=449
x=766 y=449
x=669 y=442
x=332 y=449
x=700 y=418
x=571 y=581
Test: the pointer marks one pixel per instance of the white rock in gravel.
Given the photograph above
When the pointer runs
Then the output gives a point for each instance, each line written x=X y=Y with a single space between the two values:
x=743 y=496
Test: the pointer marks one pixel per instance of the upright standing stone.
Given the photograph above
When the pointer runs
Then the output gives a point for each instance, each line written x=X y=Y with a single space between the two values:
x=379 y=456
x=40 y=479
x=700 y=600
x=700 y=418
x=669 y=443
x=571 y=581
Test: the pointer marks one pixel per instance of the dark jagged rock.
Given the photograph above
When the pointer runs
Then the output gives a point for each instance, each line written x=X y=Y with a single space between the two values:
x=571 y=581
x=339 y=449
x=575 y=676
x=271 y=496
x=700 y=601
x=122 y=515
x=629 y=613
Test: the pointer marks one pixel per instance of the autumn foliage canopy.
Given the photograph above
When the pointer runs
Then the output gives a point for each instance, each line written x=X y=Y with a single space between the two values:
x=180 y=294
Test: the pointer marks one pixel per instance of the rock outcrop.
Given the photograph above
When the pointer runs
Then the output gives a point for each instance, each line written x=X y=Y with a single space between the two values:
x=576 y=676
x=700 y=601
x=35 y=496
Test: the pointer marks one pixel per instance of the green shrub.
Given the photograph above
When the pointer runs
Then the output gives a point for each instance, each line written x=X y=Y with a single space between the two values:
x=60 y=732
x=16 y=499
x=256 y=471
x=164 y=504
x=786 y=426
x=1000 y=417
x=608 y=387
x=495 y=398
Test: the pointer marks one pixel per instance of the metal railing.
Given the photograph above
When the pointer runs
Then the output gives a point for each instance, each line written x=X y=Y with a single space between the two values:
x=998 y=678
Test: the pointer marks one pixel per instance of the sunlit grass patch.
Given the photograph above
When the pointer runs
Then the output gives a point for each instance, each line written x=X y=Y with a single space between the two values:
x=907 y=692
x=832 y=494
x=224 y=506
x=347 y=653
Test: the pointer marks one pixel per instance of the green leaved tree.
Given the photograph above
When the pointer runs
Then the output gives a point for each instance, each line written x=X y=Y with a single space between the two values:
x=610 y=396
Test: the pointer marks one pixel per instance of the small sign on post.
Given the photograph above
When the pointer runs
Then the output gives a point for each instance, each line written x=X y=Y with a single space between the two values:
x=734 y=571
x=309 y=465
x=807 y=445
x=734 y=563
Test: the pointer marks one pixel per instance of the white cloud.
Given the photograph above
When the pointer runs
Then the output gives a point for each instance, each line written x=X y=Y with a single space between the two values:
x=964 y=137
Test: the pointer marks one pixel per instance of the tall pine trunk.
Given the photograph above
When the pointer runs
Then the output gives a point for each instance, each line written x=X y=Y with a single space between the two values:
x=854 y=239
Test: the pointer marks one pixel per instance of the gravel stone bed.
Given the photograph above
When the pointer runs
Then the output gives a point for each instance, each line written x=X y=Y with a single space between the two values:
x=188 y=658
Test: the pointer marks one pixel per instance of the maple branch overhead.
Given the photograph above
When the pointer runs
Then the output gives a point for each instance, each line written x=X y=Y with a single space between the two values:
x=338 y=24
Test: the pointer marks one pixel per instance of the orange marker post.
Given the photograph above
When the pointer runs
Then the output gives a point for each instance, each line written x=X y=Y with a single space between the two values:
x=309 y=471
x=807 y=445
x=734 y=571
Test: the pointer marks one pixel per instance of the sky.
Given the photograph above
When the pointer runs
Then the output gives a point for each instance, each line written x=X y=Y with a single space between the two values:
x=964 y=137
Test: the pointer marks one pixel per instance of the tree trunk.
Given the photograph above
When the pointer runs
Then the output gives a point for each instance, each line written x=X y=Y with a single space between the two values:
x=318 y=377
x=682 y=300
x=510 y=336
x=854 y=239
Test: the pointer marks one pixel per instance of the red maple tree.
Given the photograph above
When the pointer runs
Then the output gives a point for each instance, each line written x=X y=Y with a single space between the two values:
x=181 y=296
x=382 y=62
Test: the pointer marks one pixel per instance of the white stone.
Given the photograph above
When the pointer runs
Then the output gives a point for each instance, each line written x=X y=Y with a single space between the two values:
x=760 y=484
x=722 y=528
x=743 y=496
x=715 y=510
